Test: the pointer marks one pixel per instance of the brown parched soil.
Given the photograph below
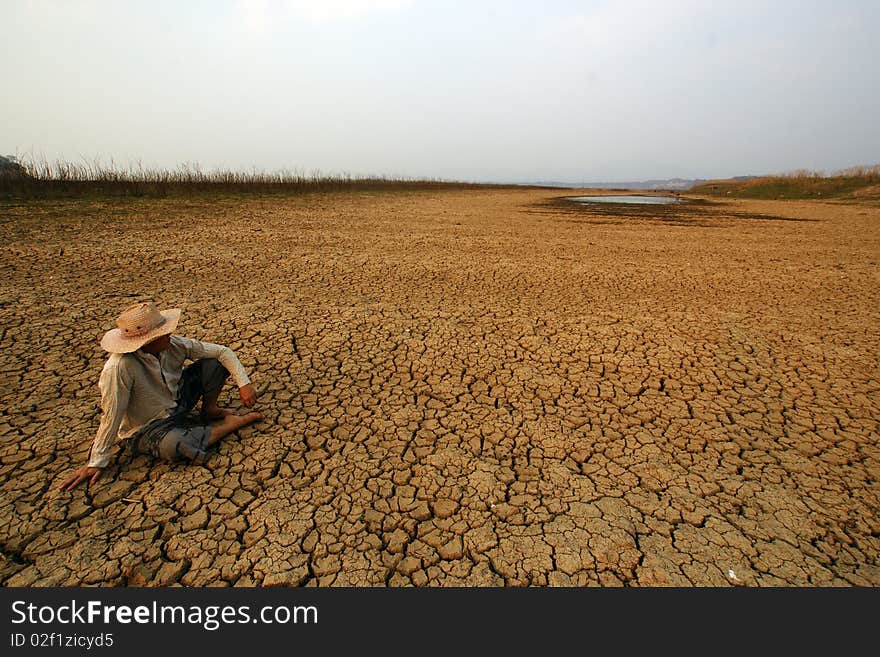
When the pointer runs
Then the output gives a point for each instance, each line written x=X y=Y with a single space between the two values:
x=478 y=388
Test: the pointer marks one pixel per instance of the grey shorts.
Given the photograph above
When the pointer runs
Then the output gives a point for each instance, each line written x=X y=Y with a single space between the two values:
x=182 y=444
x=172 y=441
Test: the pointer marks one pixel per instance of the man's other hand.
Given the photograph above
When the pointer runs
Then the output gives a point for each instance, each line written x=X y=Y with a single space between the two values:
x=80 y=476
x=248 y=395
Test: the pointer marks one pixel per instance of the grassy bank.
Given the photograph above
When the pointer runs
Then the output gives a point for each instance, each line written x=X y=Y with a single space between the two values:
x=859 y=183
x=32 y=180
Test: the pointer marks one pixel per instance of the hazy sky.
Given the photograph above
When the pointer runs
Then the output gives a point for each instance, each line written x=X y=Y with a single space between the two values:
x=471 y=90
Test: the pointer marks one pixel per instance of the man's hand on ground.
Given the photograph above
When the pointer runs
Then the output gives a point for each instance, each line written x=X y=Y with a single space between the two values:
x=248 y=395
x=80 y=476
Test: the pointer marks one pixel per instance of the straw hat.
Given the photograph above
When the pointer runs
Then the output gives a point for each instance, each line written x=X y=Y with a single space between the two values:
x=138 y=325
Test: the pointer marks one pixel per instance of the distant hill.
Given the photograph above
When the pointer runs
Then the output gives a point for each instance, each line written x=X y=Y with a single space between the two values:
x=670 y=183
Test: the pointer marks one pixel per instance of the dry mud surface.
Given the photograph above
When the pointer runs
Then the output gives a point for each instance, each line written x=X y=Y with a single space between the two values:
x=478 y=388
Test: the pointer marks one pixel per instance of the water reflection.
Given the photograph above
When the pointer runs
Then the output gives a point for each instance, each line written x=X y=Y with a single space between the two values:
x=646 y=200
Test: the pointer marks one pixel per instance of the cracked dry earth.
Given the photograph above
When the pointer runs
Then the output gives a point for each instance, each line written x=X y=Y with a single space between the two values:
x=479 y=388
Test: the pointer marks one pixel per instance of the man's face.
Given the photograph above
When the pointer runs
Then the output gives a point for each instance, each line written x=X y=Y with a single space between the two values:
x=159 y=344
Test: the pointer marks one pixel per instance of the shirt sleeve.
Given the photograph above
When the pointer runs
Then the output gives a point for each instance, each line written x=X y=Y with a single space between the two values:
x=196 y=349
x=115 y=386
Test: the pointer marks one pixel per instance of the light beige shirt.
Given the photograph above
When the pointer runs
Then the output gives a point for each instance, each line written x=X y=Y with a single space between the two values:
x=138 y=388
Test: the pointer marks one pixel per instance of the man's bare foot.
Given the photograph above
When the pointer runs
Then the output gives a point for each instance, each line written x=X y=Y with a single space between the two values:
x=253 y=416
x=231 y=423
x=216 y=412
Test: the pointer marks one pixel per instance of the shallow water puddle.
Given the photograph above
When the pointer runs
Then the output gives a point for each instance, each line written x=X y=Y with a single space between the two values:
x=646 y=200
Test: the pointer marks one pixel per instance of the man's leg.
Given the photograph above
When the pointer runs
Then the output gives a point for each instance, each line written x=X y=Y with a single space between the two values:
x=214 y=377
x=204 y=380
x=230 y=423
x=189 y=443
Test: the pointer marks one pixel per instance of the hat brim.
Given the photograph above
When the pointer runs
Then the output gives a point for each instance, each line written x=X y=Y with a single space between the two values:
x=116 y=343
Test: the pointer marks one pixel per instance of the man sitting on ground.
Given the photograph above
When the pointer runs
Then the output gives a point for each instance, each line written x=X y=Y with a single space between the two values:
x=147 y=394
